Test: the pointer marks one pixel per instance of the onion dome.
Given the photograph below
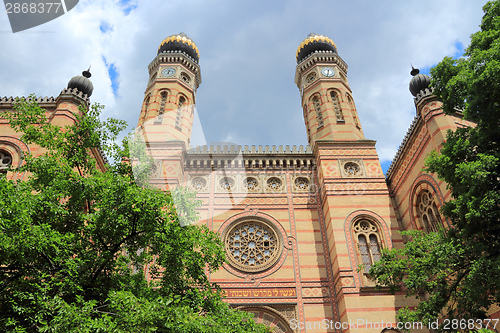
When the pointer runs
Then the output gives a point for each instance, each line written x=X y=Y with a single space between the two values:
x=314 y=43
x=418 y=82
x=82 y=83
x=182 y=43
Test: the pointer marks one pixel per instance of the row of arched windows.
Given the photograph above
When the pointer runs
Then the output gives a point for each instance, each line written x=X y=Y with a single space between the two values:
x=161 y=110
x=336 y=100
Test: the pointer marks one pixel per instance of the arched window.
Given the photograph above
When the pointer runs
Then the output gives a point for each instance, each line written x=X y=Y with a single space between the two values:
x=336 y=106
x=182 y=102
x=163 y=102
x=153 y=78
x=353 y=111
x=5 y=161
x=428 y=212
x=369 y=242
x=317 y=107
x=146 y=106
x=306 y=119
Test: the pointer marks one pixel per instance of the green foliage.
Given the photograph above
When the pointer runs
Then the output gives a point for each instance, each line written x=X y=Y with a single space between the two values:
x=456 y=272
x=74 y=240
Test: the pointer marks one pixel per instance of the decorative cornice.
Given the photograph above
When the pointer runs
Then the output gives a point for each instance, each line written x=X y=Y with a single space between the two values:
x=236 y=149
x=319 y=57
x=176 y=57
x=402 y=146
x=48 y=102
x=78 y=96
x=39 y=100
x=253 y=157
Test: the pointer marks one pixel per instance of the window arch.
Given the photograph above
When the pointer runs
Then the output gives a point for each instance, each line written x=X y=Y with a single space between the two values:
x=146 y=106
x=5 y=161
x=353 y=111
x=369 y=242
x=425 y=201
x=336 y=105
x=428 y=211
x=317 y=106
x=178 y=118
x=163 y=102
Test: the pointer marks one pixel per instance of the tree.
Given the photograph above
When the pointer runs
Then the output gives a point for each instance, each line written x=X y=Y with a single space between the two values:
x=74 y=241
x=456 y=272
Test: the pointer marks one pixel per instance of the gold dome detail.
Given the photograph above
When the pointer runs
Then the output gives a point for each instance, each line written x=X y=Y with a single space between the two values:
x=181 y=39
x=314 y=38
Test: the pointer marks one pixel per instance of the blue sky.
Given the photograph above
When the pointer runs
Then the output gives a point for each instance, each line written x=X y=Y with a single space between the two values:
x=247 y=58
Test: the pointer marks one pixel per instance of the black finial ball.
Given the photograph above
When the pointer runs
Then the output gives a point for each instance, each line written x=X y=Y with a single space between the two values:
x=418 y=82
x=82 y=83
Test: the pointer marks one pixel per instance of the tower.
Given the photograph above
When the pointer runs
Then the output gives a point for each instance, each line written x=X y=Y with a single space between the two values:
x=355 y=205
x=167 y=112
x=328 y=106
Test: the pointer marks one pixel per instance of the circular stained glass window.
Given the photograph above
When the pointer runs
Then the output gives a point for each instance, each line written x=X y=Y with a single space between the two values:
x=227 y=183
x=351 y=169
x=252 y=246
x=250 y=183
x=198 y=183
x=302 y=183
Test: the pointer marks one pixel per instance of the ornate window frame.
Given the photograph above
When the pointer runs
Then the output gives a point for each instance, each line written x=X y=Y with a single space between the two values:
x=425 y=183
x=181 y=104
x=17 y=149
x=352 y=168
x=272 y=264
x=336 y=98
x=252 y=244
x=274 y=184
x=361 y=278
x=354 y=113
x=316 y=103
x=271 y=317
x=199 y=182
x=369 y=242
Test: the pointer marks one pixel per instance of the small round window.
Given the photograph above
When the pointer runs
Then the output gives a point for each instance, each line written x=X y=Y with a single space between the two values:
x=5 y=161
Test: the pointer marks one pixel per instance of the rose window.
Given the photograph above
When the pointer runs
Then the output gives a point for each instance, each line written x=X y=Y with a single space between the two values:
x=302 y=183
x=364 y=226
x=250 y=183
x=252 y=245
x=5 y=160
x=227 y=183
x=351 y=168
x=198 y=183
x=274 y=183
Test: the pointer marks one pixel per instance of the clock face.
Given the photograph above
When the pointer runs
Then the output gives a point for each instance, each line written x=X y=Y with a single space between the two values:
x=167 y=72
x=327 y=72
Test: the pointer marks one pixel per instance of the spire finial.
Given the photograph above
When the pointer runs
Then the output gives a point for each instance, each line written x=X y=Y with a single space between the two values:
x=414 y=71
x=87 y=73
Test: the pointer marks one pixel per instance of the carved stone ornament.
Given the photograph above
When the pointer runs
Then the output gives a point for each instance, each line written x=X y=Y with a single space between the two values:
x=225 y=184
x=302 y=184
x=275 y=184
x=352 y=168
x=252 y=245
x=251 y=184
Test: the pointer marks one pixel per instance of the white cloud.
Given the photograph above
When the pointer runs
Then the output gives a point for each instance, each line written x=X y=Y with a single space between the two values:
x=247 y=58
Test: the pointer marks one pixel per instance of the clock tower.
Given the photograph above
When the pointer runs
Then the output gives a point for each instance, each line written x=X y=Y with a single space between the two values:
x=167 y=112
x=328 y=106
